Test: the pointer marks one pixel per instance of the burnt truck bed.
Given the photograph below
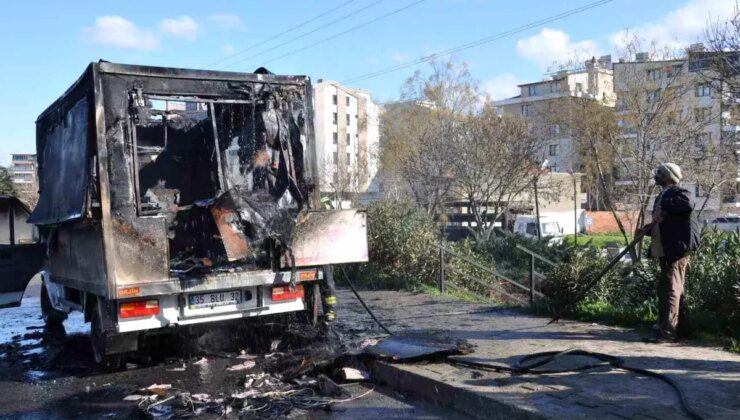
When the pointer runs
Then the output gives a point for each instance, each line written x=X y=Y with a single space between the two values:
x=164 y=181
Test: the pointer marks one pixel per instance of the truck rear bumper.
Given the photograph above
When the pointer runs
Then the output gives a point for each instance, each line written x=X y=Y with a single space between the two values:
x=176 y=307
x=176 y=310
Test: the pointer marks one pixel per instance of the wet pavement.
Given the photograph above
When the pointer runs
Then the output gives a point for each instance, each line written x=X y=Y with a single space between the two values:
x=52 y=374
x=709 y=377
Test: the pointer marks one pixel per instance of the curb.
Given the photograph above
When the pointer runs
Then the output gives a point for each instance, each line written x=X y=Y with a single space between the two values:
x=475 y=404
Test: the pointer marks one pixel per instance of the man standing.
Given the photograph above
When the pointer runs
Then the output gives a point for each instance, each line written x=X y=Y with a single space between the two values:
x=675 y=234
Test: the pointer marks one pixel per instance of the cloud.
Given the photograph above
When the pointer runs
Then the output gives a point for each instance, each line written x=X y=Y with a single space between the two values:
x=502 y=86
x=553 y=46
x=399 y=57
x=225 y=20
x=228 y=49
x=680 y=27
x=118 y=32
x=183 y=27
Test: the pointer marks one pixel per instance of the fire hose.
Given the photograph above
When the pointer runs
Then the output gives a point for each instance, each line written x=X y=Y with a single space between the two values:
x=532 y=363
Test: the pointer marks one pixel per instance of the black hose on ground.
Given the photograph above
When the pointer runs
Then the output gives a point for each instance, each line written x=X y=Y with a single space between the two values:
x=529 y=365
x=372 y=315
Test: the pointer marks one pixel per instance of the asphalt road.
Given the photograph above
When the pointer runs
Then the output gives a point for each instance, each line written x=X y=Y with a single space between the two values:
x=51 y=374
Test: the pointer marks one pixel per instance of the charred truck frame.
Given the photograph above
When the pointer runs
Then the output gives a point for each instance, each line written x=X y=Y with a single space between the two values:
x=172 y=197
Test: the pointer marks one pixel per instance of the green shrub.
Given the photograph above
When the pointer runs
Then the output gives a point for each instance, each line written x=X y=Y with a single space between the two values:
x=713 y=276
x=403 y=254
x=401 y=247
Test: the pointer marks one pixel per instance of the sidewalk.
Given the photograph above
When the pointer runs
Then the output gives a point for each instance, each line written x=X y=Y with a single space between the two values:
x=710 y=377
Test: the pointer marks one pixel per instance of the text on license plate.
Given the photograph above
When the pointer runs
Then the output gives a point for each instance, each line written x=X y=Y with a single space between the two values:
x=209 y=300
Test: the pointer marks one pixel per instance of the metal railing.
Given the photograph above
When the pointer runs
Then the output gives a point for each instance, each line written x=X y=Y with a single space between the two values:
x=533 y=257
x=494 y=286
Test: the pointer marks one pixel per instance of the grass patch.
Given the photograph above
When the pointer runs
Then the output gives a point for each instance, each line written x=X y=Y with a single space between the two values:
x=707 y=328
x=597 y=240
x=467 y=297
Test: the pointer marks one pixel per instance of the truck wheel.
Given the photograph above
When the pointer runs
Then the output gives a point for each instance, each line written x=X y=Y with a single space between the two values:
x=51 y=316
x=109 y=362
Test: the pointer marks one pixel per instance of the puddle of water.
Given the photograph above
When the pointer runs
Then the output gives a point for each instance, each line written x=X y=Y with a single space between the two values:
x=35 y=375
x=37 y=350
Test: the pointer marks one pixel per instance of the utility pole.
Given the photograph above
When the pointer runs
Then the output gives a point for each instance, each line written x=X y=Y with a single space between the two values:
x=575 y=209
x=536 y=198
x=537 y=208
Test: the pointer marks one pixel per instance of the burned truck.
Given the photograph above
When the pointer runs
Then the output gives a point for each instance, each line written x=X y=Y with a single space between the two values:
x=172 y=197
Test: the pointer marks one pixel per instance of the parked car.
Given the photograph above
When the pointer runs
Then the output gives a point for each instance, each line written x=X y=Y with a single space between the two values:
x=730 y=223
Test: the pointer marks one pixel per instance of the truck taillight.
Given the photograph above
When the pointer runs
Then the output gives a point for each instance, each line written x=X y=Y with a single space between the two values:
x=138 y=308
x=285 y=293
x=308 y=275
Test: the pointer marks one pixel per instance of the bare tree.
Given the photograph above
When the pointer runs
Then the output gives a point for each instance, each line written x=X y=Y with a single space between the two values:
x=342 y=181
x=493 y=159
x=719 y=65
x=593 y=129
x=419 y=130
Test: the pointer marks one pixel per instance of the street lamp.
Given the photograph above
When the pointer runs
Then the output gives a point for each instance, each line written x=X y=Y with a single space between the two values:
x=536 y=198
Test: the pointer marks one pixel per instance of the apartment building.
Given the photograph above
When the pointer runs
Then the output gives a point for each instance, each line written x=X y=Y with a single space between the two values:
x=24 y=172
x=23 y=168
x=538 y=102
x=658 y=102
x=346 y=122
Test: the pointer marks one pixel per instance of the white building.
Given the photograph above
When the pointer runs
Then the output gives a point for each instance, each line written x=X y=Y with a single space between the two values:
x=538 y=102
x=699 y=108
x=23 y=168
x=347 y=140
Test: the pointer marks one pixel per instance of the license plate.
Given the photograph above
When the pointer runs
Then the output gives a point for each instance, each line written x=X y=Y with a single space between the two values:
x=210 y=300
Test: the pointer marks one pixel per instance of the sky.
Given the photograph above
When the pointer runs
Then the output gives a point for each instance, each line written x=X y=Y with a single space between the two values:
x=46 y=45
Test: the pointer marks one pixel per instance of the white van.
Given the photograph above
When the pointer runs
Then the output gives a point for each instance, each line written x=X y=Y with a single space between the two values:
x=526 y=225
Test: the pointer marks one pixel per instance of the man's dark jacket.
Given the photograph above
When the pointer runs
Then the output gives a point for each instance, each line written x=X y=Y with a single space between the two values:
x=679 y=229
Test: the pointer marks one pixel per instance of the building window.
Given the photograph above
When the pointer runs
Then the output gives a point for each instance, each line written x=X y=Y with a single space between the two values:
x=336 y=137
x=334 y=99
x=553 y=168
x=677 y=69
x=348 y=137
x=334 y=119
x=702 y=139
x=579 y=87
x=348 y=158
x=347 y=101
x=704 y=89
x=335 y=157
x=554 y=130
x=348 y=123
x=653 y=96
x=701 y=114
x=553 y=150
x=654 y=74
x=532 y=90
x=525 y=110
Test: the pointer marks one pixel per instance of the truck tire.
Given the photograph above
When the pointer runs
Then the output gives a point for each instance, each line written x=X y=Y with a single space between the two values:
x=51 y=316
x=109 y=362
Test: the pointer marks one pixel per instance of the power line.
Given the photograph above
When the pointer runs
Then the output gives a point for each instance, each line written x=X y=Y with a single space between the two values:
x=300 y=25
x=354 y=28
x=481 y=41
x=304 y=34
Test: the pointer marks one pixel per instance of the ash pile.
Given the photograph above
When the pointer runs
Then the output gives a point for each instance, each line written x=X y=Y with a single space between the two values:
x=299 y=373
